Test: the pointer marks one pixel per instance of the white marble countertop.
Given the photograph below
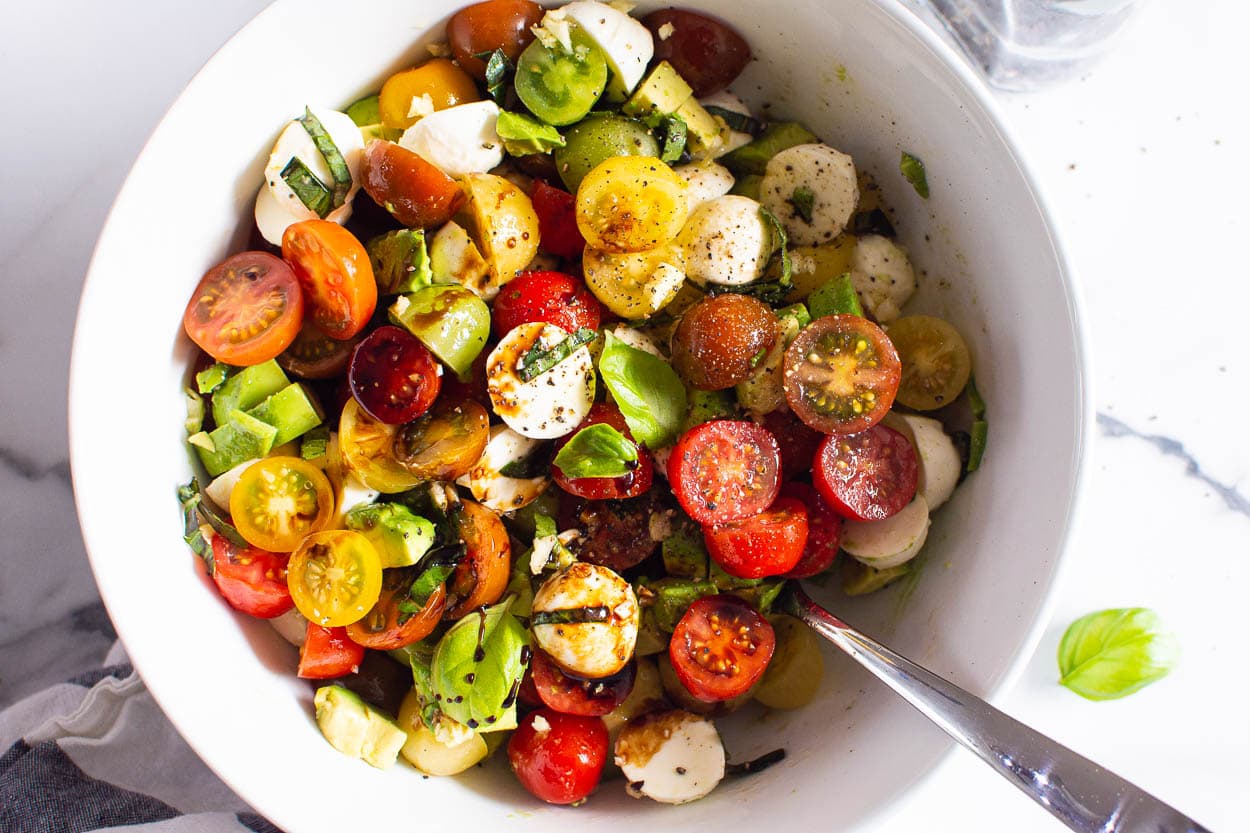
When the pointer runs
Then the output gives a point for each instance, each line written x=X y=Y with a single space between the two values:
x=1145 y=164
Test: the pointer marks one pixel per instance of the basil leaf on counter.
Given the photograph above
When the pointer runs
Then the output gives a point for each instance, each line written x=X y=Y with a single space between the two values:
x=478 y=665
x=647 y=390
x=597 y=450
x=913 y=171
x=1113 y=653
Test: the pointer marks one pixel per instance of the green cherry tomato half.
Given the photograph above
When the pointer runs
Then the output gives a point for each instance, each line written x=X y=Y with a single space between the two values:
x=450 y=320
x=597 y=138
x=560 y=87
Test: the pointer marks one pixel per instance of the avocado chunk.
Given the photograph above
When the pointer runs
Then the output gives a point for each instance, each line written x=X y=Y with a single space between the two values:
x=399 y=536
x=753 y=157
x=704 y=136
x=247 y=389
x=707 y=405
x=660 y=94
x=835 y=297
x=684 y=554
x=239 y=438
x=400 y=261
x=793 y=319
x=858 y=579
x=355 y=728
x=747 y=186
x=292 y=410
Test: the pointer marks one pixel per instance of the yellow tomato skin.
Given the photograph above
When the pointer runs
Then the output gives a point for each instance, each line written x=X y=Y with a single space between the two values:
x=631 y=204
x=335 y=577
x=279 y=500
x=445 y=83
x=635 y=285
x=367 y=448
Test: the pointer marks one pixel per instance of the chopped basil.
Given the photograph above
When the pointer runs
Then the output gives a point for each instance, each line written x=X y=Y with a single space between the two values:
x=739 y=122
x=478 y=665
x=534 y=464
x=314 y=443
x=434 y=568
x=872 y=222
x=193 y=510
x=1113 y=653
x=648 y=391
x=913 y=172
x=976 y=443
x=339 y=172
x=571 y=616
x=498 y=68
x=803 y=199
x=674 y=139
x=597 y=450
x=538 y=360
x=420 y=658
x=779 y=230
x=312 y=192
x=211 y=378
x=523 y=134
x=975 y=402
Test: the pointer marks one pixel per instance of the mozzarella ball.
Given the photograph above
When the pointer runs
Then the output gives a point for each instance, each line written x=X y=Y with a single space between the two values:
x=588 y=649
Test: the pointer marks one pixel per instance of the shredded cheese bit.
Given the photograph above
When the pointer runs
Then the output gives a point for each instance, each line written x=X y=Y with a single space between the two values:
x=555 y=31
x=623 y=6
x=422 y=106
x=666 y=31
x=439 y=49
x=541 y=726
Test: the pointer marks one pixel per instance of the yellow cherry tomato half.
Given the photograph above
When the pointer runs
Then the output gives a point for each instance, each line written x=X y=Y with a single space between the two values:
x=279 y=500
x=367 y=447
x=936 y=363
x=335 y=577
x=631 y=204
x=445 y=83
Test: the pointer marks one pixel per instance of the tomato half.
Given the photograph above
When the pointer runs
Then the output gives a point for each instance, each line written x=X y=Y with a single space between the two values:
x=482 y=576
x=560 y=87
x=328 y=653
x=279 y=500
x=246 y=309
x=720 y=648
x=495 y=24
x=562 y=761
x=724 y=470
x=868 y=476
x=630 y=484
x=314 y=355
x=557 y=221
x=414 y=191
x=824 y=531
x=592 y=698
x=935 y=359
x=615 y=533
x=335 y=274
x=708 y=54
x=798 y=443
x=381 y=628
x=631 y=204
x=552 y=297
x=252 y=580
x=393 y=375
x=446 y=84
x=722 y=339
x=841 y=374
x=768 y=544
x=335 y=577
x=368 y=449
x=446 y=442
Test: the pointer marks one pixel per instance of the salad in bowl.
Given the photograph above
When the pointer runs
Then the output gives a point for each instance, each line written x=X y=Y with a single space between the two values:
x=546 y=367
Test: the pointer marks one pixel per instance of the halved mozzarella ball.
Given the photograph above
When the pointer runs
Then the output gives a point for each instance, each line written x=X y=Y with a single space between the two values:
x=727 y=241
x=670 y=756
x=705 y=181
x=494 y=490
x=626 y=43
x=726 y=100
x=459 y=140
x=888 y=543
x=350 y=493
x=940 y=465
x=588 y=649
x=635 y=338
x=551 y=404
x=828 y=174
x=882 y=275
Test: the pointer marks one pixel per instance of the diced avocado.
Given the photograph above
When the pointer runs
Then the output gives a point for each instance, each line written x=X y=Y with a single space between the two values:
x=365 y=111
x=523 y=134
x=399 y=536
x=660 y=94
x=748 y=185
x=211 y=378
x=706 y=405
x=684 y=554
x=247 y=389
x=793 y=319
x=355 y=728
x=858 y=579
x=195 y=412
x=400 y=261
x=753 y=157
x=292 y=410
x=240 y=437
x=673 y=596
x=837 y=297
x=315 y=444
x=704 y=135
x=651 y=640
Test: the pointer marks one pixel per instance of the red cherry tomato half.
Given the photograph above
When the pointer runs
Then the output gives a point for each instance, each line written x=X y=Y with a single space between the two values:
x=631 y=484
x=328 y=653
x=724 y=470
x=561 y=759
x=824 y=531
x=867 y=476
x=246 y=309
x=767 y=544
x=415 y=192
x=482 y=28
x=841 y=374
x=720 y=648
x=335 y=274
x=558 y=233
x=704 y=51
x=590 y=698
x=252 y=580
x=314 y=355
x=797 y=442
x=394 y=376
x=551 y=297
x=615 y=533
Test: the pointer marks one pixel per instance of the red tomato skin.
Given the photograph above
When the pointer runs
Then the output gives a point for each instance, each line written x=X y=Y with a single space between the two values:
x=824 y=531
x=563 y=764
x=558 y=233
x=724 y=470
x=393 y=375
x=797 y=442
x=708 y=54
x=335 y=275
x=768 y=544
x=328 y=653
x=569 y=695
x=550 y=297
x=749 y=660
x=252 y=580
x=628 y=485
x=880 y=477
x=264 y=276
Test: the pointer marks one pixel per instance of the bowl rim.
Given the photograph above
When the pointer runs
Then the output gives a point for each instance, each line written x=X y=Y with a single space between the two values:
x=931 y=38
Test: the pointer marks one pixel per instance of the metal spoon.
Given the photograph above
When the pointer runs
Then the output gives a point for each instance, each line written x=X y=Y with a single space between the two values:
x=1077 y=791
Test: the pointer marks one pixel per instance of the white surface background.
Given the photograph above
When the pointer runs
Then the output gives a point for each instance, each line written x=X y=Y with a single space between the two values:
x=1145 y=162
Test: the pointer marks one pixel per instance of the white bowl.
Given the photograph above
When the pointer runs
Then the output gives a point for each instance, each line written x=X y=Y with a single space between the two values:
x=871 y=80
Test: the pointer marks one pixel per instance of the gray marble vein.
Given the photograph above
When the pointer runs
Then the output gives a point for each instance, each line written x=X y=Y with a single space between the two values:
x=27 y=469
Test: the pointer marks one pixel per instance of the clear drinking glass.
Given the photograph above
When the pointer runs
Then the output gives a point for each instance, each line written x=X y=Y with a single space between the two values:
x=1030 y=44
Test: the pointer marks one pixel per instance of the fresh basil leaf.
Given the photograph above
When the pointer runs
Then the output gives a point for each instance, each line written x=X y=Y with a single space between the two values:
x=434 y=568
x=773 y=293
x=803 y=199
x=498 y=68
x=329 y=151
x=194 y=509
x=1113 y=653
x=538 y=360
x=872 y=222
x=739 y=122
x=646 y=389
x=597 y=450
x=420 y=657
x=478 y=665
x=913 y=172
x=312 y=192
x=523 y=134
x=211 y=378
x=401 y=263
x=786 y=279
x=544 y=526
x=674 y=139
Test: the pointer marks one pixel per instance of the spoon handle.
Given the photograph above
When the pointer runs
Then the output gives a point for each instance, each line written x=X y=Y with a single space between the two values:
x=1077 y=791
